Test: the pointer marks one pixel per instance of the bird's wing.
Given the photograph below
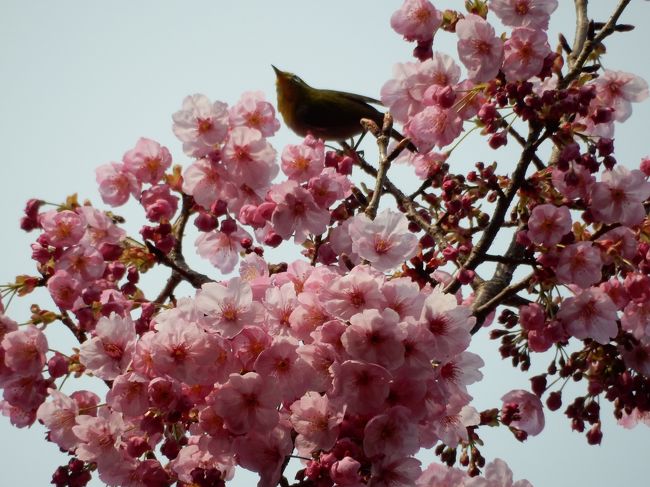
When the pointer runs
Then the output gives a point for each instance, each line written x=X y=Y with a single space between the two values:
x=359 y=98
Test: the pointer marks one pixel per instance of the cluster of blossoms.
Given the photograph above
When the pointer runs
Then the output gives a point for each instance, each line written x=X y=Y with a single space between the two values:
x=356 y=359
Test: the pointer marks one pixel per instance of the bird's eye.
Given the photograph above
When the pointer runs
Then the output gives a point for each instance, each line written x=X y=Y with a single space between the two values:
x=296 y=79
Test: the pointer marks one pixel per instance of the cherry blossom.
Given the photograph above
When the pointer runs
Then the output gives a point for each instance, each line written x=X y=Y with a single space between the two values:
x=416 y=20
x=110 y=351
x=590 y=314
x=548 y=224
x=524 y=53
x=527 y=13
x=529 y=416
x=480 y=50
x=200 y=125
x=147 y=161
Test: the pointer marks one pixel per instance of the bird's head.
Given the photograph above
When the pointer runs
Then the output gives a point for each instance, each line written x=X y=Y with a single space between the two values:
x=289 y=86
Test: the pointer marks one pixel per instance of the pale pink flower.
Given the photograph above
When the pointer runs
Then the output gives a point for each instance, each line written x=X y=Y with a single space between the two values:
x=451 y=428
x=281 y=362
x=480 y=50
x=395 y=472
x=524 y=13
x=82 y=262
x=548 y=224
x=220 y=248
x=264 y=453
x=248 y=403
x=590 y=314
x=391 y=434
x=228 y=308
x=461 y=371
x=619 y=197
x=159 y=203
x=129 y=395
x=207 y=181
x=375 y=337
x=109 y=352
x=385 y=242
x=434 y=127
x=618 y=90
x=580 y=264
x=316 y=421
x=182 y=350
x=524 y=53
x=629 y=421
x=345 y=472
x=353 y=293
x=449 y=323
x=62 y=228
x=305 y=161
x=403 y=296
x=530 y=411
x=362 y=386
x=201 y=125
x=419 y=349
x=580 y=178
x=328 y=187
x=416 y=20
x=148 y=160
x=24 y=350
x=100 y=229
x=253 y=111
x=279 y=303
x=58 y=416
x=116 y=183
x=64 y=289
x=248 y=157
x=636 y=319
x=404 y=94
x=308 y=316
x=203 y=452
x=619 y=242
x=496 y=474
x=99 y=437
x=440 y=475
x=296 y=213
x=248 y=345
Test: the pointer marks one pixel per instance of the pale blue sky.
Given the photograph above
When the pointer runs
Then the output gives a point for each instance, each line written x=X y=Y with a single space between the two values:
x=82 y=80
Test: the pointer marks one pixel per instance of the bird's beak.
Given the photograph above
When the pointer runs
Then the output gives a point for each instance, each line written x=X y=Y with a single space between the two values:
x=278 y=73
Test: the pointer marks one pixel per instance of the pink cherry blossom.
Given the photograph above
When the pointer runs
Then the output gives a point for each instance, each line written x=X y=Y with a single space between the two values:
x=148 y=160
x=434 y=127
x=524 y=13
x=159 y=203
x=116 y=183
x=201 y=125
x=100 y=228
x=385 y=242
x=329 y=187
x=575 y=183
x=307 y=316
x=248 y=157
x=304 y=161
x=62 y=228
x=64 y=289
x=619 y=242
x=530 y=411
x=441 y=475
x=548 y=224
x=497 y=474
x=316 y=421
x=480 y=50
x=253 y=111
x=279 y=303
x=636 y=319
x=220 y=248
x=619 y=197
x=416 y=20
x=580 y=264
x=248 y=403
x=618 y=90
x=524 y=53
x=82 y=262
x=394 y=472
x=128 y=395
x=207 y=181
x=345 y=472
x=353 y=293
x=391 y=434
x=281 y=361
x=362 y=386
x=109 y=352
x=375 y=337
x=58 y=416
x=99 y=437
x=264 y=453
x=449 y=323
x=590 y=314
x=24 y=350
x=228 y=308
x=182 y=350
x=296 y=213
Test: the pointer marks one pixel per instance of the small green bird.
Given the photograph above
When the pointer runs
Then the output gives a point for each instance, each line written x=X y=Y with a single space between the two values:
x=326 y=114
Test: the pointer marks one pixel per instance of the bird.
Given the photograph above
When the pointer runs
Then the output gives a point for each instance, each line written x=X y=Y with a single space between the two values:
x=326 y=114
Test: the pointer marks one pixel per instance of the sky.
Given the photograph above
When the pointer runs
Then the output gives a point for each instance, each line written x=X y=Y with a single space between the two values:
x=82 y=80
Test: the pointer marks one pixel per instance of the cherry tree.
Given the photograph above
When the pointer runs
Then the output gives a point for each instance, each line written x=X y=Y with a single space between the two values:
x=350 y=359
